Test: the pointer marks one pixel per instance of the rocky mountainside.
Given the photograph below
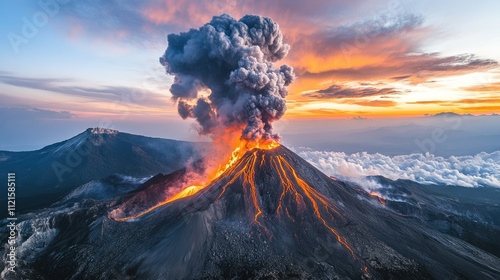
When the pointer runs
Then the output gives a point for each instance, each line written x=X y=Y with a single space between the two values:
x=270 y=216
x=46 y=175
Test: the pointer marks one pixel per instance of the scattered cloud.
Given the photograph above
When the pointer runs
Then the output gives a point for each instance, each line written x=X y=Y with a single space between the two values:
x=381 y=31
x=359 y=118
x=144 y=22
x=121 y=94
x=354 y=95
x=480 y=170
x=23 y=114
x=374 y=43
x=341 y=91
x=448 y=114
x=341 y=41
x=488 y=87
x=401 y=77
x=428 y=102
x=479 y=100
x=482 y=108
x=298 y=111
x=376 y=103
x=459 y=102
x=413 y=67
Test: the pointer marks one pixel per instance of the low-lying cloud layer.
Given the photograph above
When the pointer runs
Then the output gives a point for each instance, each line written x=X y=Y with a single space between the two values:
x=480 y=170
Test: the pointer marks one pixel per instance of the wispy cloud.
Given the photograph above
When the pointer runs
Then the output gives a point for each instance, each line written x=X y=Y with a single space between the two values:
x=331 y=40
x=342 y=91
x=22 y=114
x=376 y=103
x=488 y=87
x=494 y=108
x=151 y=20
x=119 y=94
x=415 y=68
x=460 y=102
x=366 y=35
x=380 y=44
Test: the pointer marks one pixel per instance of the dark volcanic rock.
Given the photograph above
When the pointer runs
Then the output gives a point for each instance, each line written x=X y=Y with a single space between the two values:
x=270 y=216
x=46 y=175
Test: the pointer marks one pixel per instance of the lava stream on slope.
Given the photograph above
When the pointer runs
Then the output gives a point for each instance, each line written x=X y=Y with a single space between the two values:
x=292 y=194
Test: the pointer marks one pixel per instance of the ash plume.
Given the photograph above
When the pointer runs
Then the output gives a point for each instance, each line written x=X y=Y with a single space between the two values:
x=225 y=77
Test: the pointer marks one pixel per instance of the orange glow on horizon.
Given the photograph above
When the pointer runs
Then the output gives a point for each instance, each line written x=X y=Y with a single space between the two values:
x=388 y=113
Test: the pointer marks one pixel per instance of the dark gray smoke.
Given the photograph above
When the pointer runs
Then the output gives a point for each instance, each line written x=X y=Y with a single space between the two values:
x=232 y=61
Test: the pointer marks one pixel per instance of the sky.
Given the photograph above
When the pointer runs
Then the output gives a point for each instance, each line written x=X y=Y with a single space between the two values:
x=66 y=65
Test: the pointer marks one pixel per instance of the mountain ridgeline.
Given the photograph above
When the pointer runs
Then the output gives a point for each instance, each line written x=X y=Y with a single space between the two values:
x=46 y=175
x=271 y=215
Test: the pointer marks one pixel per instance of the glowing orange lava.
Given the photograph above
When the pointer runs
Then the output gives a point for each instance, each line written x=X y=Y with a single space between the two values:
x=241 y=148
x=248 y=174
x=380 y=198
x=189 y=191
x=304 y=197
x=301 y=191
x=314 y=197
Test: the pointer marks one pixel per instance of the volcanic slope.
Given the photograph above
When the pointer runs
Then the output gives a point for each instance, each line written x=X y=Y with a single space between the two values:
x=270 y=216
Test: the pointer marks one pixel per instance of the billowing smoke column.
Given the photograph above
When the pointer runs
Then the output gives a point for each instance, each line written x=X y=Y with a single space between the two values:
x=231 y=62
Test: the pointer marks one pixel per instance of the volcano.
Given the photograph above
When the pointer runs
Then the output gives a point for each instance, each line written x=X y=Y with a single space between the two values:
x=52 y=172
x=270 y=215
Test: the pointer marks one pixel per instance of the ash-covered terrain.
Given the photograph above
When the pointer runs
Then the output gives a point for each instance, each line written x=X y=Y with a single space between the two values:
x=47 y=175
x=271 y=215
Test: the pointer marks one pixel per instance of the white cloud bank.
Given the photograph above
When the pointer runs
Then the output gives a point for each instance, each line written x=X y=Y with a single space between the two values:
x=480 y=170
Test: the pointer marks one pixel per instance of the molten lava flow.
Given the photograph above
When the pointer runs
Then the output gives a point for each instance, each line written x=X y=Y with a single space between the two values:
x=248 y=173
x=300 y=190
x=380 y=198
x=241 y=148
x=296 y=194
x=189 y=191
x=314 y=197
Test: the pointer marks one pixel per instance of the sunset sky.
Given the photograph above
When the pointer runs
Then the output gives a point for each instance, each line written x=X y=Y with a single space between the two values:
x=88 y=60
